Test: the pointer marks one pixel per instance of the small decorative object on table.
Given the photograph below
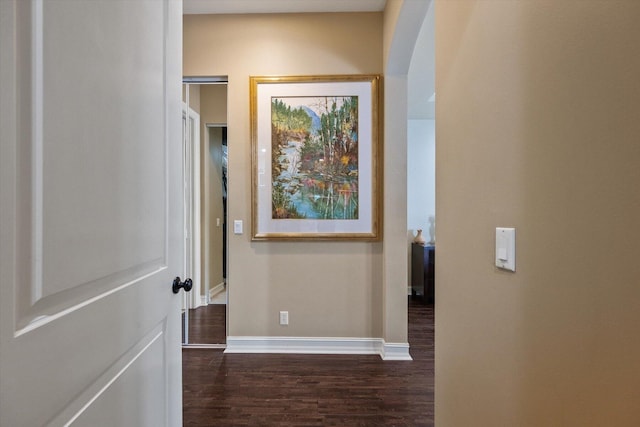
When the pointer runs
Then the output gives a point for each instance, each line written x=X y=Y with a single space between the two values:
x=419 y=239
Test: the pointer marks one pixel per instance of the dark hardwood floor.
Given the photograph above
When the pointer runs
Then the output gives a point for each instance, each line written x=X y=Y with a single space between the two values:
x=313 y=390
x=207 y=324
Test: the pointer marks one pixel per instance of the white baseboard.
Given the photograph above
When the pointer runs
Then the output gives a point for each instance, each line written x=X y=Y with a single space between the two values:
x=395 y=351
x=299 y=345
x=204 y=300
x=216 y=290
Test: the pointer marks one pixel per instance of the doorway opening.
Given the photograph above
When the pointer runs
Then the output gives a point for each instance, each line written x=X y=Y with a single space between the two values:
x=205 y=309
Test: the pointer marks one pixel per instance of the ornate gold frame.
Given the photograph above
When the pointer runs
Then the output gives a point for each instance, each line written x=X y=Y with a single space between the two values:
x=368 y=225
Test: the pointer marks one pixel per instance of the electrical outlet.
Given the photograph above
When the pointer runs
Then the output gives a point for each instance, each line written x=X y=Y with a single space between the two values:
x=284 y=318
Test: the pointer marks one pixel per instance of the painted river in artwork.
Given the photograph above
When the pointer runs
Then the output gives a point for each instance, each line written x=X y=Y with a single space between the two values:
x=314 y=158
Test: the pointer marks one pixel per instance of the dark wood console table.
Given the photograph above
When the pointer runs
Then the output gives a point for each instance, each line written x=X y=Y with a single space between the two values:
x=423 y=272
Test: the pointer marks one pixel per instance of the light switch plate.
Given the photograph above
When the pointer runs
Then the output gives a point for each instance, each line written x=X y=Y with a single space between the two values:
x=284 y=318
x=506 y=248
x=237 y=226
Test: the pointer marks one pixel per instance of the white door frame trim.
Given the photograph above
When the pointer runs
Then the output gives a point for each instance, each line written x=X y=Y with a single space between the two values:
x=195 y=238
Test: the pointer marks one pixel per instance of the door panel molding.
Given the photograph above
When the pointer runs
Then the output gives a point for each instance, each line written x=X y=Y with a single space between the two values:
x=122 y=367
x=61 y=304
x=41 y=296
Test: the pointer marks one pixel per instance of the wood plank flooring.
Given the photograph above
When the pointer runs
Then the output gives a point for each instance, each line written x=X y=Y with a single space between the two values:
x=207 y=324
x=313 y=390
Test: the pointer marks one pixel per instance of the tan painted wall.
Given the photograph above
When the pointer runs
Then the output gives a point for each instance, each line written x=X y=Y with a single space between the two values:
x=213 y=98
x=537 y=128
x=389 y=21
x=331 y=289
x=213 y=101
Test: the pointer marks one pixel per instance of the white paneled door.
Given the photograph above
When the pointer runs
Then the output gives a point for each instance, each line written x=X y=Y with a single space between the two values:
x=90 y=212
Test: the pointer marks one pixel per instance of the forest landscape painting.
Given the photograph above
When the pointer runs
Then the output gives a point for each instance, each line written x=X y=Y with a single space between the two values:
x=314 y=170
x=315 y=163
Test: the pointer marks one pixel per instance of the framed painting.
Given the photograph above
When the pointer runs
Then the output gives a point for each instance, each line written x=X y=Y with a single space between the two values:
x=316 y=157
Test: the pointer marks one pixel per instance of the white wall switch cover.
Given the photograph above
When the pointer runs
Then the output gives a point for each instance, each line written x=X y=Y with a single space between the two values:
x=506 y=248
x=284 y=318
x=237 y=226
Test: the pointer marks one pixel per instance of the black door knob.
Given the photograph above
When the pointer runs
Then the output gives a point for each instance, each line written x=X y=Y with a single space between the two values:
x=177 y=284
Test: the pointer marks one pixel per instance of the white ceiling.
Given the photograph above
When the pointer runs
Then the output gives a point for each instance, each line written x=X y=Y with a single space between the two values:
x=281 y=6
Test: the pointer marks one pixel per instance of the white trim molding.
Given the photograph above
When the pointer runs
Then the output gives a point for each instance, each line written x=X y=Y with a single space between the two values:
x=395 y=351
x=216 y=290
x=303 y=345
